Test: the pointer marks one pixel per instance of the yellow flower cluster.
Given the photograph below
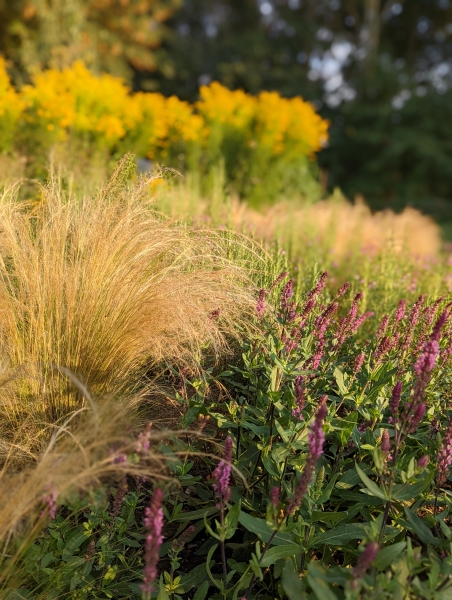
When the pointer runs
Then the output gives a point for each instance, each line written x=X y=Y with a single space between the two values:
x=74 y=101
x=276 y=124
x=102 y=112
x=11 y=107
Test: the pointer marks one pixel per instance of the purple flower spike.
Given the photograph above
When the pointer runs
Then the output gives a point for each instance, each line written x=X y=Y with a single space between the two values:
x=437 y=329
x=364 y=562
x=222 y=474
x=316 y=439
x=400 y=312
x=153 y=522
x=413 y=319
x=395 y=402
x=445 y=456
x=287 y=293
x=423 y=368
x=144 y=440
x=343 y=289
x=359 y=361
x=348 y=325
x=383 y=326
x=360 y=320
x=50 y=498
x=277 y=280
x=260 y=305
x=423 y=462
x=385 y=442
x=274 y=497
x=317 y=289
x=299 y=397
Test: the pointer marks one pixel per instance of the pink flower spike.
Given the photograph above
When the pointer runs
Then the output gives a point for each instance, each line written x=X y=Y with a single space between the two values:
x=343 y=289
x=260 y=305
x=50 y=498
x=316 y=439
x=222 y=474
x=382 y=327
x=400 y=312
x=395 y=402
x=359 y=361
x=153 y=522
x=423 y=462
x=365 y=560
x=277 y=280
x=299 y=397
x=385 y=442
x=445 y=456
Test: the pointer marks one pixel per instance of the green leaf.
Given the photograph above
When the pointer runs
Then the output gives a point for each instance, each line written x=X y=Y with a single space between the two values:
x=326 y=493
x=274 y=379
x=408 y=492
x=444 y=594
x=74 y=543
x=388 y=555
x=339 y=377
x=340 y=535
x=319 y=586
x=420 y=529
x=232 y=519
x=371 y=487
x=285 y=434
x=196 y=514
x=201 y=592
x=257 y=429
x=216 y=582
x=270 y=465
x=283 y=551
x=162 y=592
x=263 y=531
x=194 y=578
x=291 y=582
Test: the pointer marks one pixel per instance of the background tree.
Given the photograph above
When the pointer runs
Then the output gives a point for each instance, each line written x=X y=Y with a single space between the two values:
x=380 y=70
x=116 y=36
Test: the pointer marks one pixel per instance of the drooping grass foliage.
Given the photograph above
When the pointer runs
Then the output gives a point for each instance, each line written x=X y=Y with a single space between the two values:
x=84 y=457
x=106 y=289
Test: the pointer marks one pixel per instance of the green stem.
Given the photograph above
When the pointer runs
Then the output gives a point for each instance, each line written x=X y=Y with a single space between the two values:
x=253 y=579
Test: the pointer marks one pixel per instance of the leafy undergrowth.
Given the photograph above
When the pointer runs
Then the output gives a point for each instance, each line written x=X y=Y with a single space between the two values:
x=332 y=480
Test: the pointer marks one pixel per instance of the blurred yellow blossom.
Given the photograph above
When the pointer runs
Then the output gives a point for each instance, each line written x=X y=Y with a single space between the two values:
x=11 y=107
x=249 y=134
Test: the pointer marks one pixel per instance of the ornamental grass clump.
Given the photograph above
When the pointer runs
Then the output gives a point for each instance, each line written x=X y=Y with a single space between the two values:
x=108 y=290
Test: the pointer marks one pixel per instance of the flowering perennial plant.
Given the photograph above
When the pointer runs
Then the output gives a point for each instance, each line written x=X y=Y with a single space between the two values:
x=244 y=132
x=153 y=523
x=335 y=493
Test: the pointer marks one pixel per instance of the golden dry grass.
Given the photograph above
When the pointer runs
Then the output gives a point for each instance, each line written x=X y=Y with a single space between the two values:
x=105 y=288
x=341 y=227
x=333 y=225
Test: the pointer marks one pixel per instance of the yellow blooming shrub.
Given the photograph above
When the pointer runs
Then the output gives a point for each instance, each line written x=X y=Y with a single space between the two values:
x=257 y=138
x=74 y=101
x=289 y=126
x=11 y=107
x=219 y=105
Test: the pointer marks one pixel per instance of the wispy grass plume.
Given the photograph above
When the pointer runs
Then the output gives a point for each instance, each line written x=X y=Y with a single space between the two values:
x=105 y=288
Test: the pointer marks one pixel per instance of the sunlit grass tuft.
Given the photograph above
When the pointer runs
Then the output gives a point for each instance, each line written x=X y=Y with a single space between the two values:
x=107 y=289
